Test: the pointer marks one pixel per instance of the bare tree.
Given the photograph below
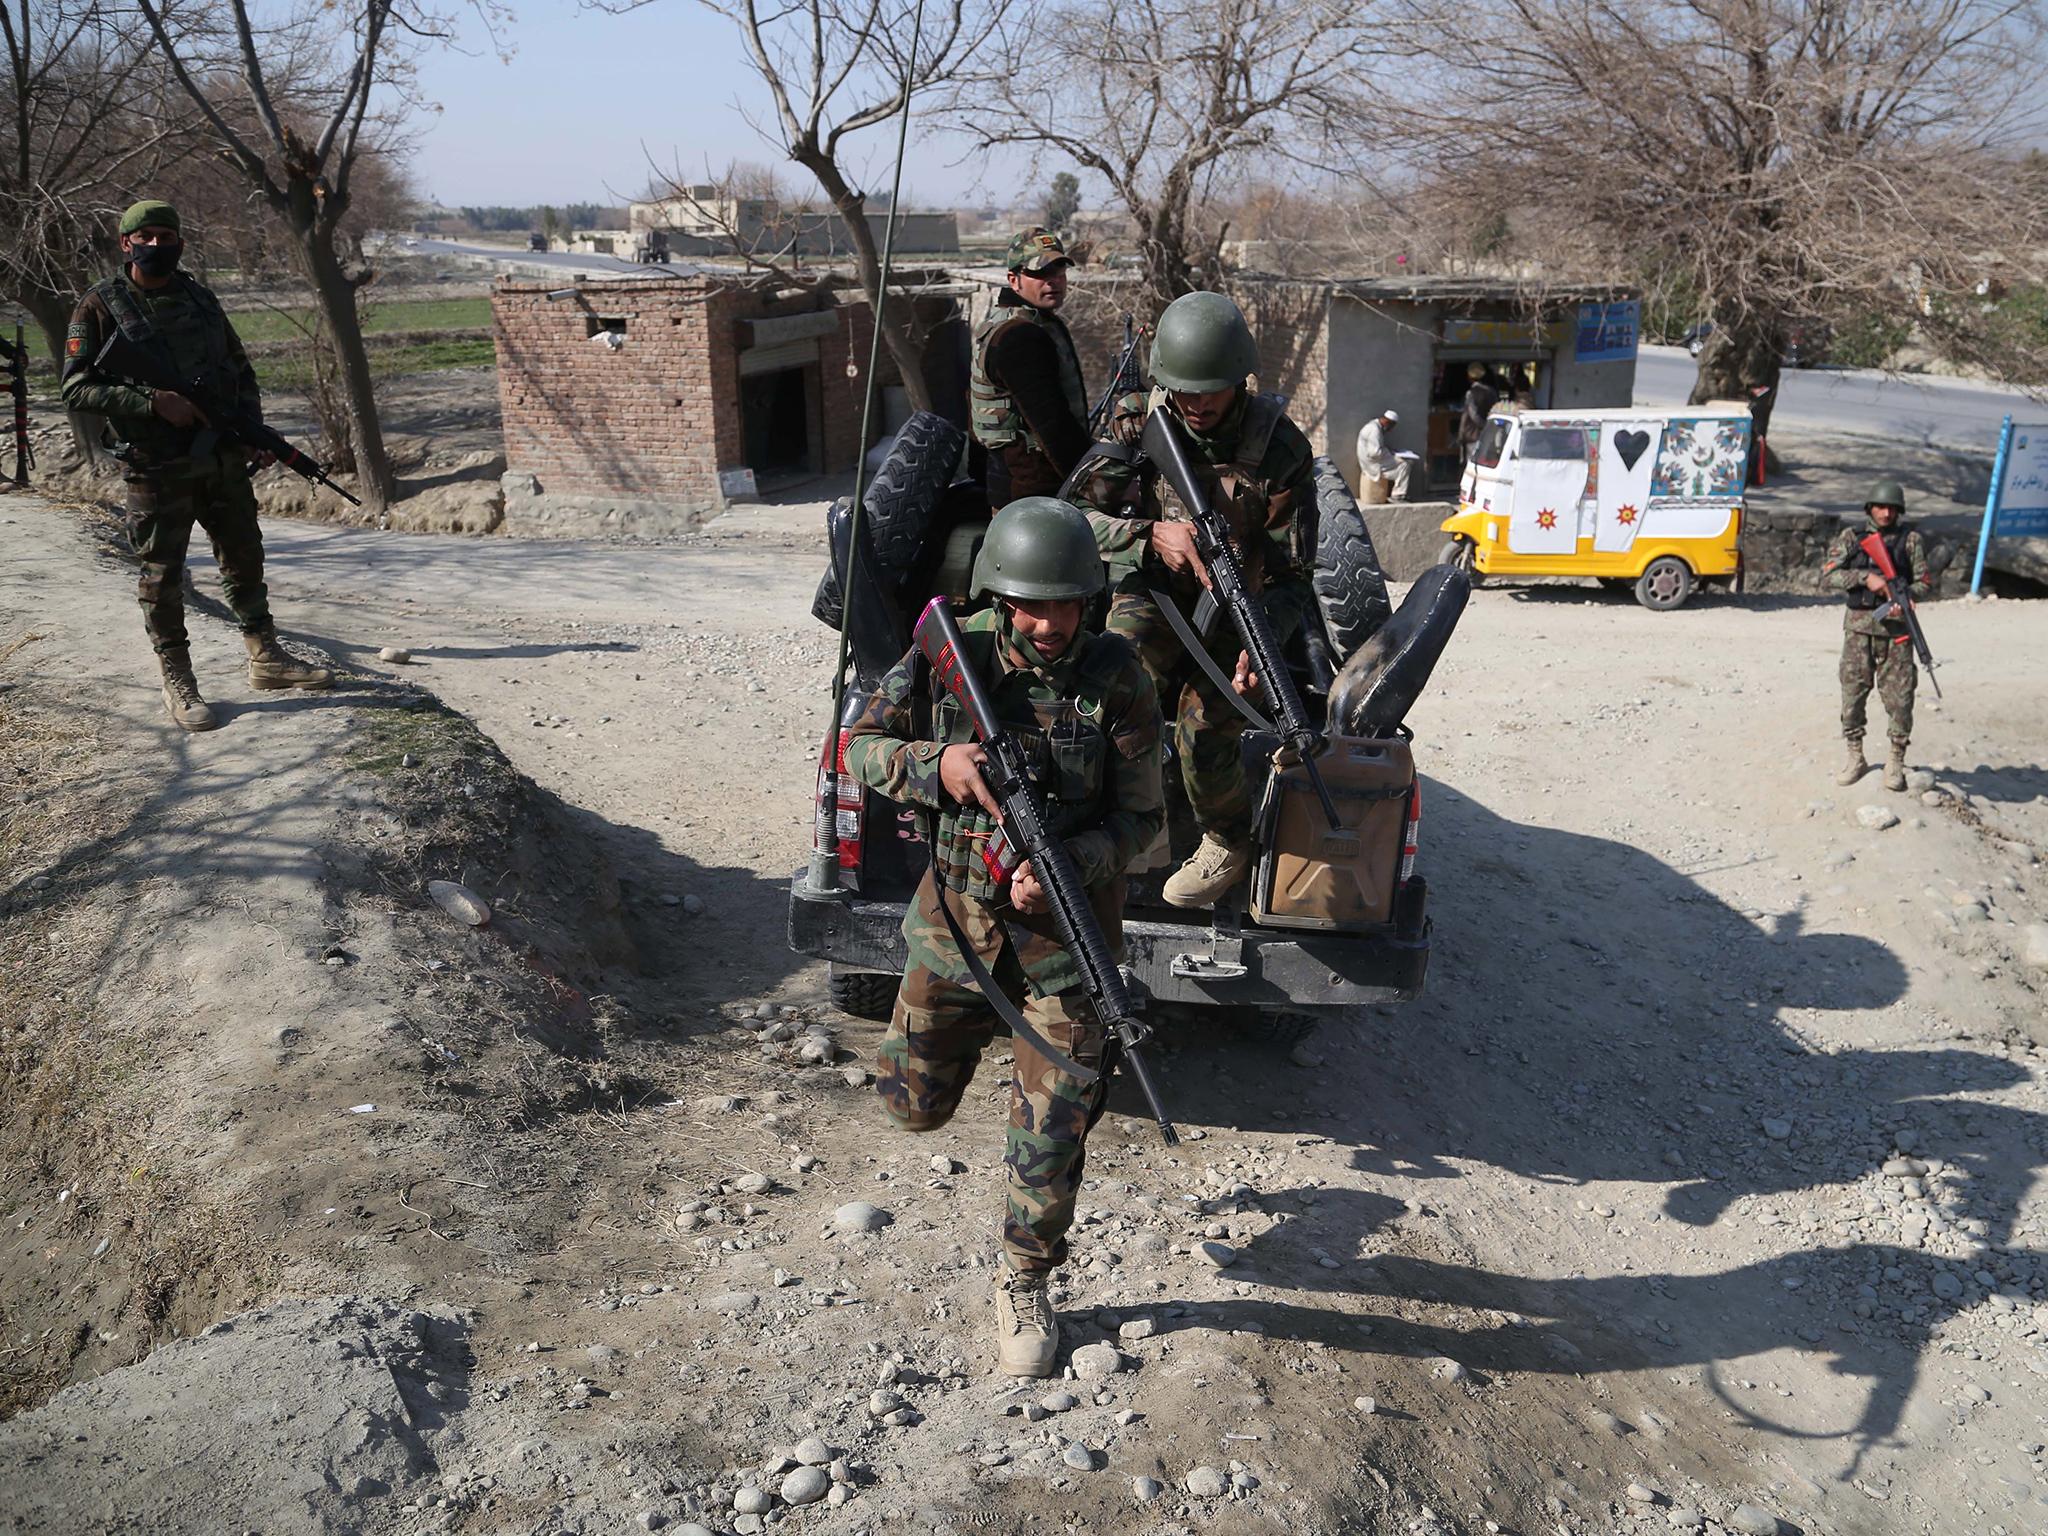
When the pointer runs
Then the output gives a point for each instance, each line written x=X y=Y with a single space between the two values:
x=310 y=80
x=85 y=120
x=1784 y=159
x=1165 y=99
x=835 y=68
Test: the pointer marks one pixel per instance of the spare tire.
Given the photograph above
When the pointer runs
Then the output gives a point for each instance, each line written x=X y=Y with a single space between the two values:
x=1381 y=683
x=898 y=505
x=1350 y=588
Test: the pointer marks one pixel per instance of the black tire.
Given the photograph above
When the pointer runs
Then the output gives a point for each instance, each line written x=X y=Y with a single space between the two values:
x=1665 y=584
x=863 y=994
x=898 y=504
x=1462 y=553
x=1283 y=1031
x=1350 y=587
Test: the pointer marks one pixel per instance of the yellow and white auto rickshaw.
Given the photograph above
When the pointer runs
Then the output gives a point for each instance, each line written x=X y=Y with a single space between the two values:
x=1651 y=500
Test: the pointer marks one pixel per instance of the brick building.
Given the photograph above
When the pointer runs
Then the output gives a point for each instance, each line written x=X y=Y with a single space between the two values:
x=632 y=405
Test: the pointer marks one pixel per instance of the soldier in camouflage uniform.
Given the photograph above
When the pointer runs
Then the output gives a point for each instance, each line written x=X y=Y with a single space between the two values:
x=1259 y=471
x=178 y=473
x=1876 y=649
x=1084 y=705
x=1030 y=404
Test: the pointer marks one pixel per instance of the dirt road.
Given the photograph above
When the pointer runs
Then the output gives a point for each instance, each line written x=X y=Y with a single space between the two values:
x=1701 y=1186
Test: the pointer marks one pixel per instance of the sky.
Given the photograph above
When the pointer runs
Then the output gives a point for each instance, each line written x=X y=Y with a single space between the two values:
x=588 y=98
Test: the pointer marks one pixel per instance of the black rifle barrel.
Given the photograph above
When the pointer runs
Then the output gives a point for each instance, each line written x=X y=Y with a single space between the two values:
x=125 y=360
x=1164 y=446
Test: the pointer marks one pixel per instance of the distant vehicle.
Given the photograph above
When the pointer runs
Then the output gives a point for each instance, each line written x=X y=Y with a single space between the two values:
x=536 y=241
x=1695 y=339
x=1647 y=501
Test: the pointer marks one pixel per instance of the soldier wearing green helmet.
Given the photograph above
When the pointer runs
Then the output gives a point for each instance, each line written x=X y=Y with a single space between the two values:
x=178 y=472
x=1260 y=470
x=1086 y=707
x=1876 y=649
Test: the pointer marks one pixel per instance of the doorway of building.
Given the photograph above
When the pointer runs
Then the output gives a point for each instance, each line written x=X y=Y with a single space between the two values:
x=775 y=427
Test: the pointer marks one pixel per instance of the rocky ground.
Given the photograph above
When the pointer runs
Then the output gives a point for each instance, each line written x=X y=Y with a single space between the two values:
x=1698 y=1191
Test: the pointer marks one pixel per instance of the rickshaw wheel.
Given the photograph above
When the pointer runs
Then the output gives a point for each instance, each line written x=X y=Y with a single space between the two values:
x=1665 y=583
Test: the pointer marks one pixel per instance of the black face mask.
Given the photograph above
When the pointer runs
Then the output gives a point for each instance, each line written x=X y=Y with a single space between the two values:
x=156 y=260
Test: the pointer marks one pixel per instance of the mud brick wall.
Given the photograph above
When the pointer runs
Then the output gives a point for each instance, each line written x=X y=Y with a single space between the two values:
x=655 y=418
x=1291 y=322
x=641 y=421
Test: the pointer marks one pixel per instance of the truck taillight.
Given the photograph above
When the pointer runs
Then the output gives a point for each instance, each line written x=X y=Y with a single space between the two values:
x=848 y=805
x=1413 y=832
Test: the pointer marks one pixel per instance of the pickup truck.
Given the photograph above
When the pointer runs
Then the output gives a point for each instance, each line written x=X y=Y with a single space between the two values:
x=920 y=532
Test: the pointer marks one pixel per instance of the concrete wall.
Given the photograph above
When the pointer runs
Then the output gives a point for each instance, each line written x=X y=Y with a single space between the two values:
x=1381 y=356
x=1587 y=386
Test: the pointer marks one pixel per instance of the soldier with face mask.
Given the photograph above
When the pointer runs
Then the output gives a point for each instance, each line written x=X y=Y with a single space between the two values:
x=1260 y=475
x=1877 y=651
x=178 y=472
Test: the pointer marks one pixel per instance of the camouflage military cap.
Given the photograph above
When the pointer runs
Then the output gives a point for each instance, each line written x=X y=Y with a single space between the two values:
x=149 y=211
x=1037 y=250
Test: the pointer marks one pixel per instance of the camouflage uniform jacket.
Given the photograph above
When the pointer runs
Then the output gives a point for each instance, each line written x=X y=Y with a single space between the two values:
x=1092 y=724
x=191 y=325
x=1847 y=565
x=1261 y=476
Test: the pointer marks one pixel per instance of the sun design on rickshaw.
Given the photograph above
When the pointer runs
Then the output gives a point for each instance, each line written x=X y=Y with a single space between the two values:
x=1625 y=515
x=1547 y=518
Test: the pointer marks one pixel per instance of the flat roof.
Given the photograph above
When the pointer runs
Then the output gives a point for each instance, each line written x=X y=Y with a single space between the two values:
x=1423 y=289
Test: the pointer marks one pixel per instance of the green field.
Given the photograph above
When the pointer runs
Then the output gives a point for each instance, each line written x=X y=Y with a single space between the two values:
x=293 y=371
x=260 y=325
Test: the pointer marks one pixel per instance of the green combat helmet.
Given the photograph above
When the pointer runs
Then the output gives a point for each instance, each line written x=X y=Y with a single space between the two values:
x=1203 y=345
x=1886 y=493
x=1039 y=547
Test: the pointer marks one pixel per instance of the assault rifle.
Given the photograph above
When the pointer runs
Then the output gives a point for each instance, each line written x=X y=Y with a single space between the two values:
x=1123 y=379
x=1024 y=828
x=230 y=424
x=1164 y=447
x=16 y=358
x=1901 y=599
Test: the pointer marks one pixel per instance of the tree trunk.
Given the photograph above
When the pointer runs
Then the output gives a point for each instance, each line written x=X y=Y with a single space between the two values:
x=52 y=313
x=899 y=336
x=336 y=296
x=1742 y=357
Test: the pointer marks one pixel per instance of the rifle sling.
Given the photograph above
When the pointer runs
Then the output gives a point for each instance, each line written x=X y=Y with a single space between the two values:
x=984 y=983
x=1192 y=642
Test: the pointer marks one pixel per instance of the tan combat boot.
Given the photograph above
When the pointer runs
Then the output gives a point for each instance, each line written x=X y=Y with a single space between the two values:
x=1027 y=1334
x=181 y=692
x=272 y=666
x=1214 y=869
x=1855 y=767
x=1895 y=767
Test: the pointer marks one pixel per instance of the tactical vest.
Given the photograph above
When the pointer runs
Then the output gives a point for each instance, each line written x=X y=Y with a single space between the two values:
x=997 y=421
x=1860 y=596
x=141 y=329
x=1064 y=738
x=1234 y=484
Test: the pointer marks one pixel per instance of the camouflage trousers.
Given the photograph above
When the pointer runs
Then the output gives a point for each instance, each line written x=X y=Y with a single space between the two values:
x=161 y=511
x=1884 y=663
x=1206 y=727
x=938 y=1032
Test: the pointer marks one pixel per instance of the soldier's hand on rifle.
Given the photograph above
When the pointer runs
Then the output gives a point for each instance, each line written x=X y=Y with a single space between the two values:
x=261 y=458
x=176 y=409
x=1872 y=580
x=960 y=776
x=1026 y=894
x=1244 y=682
x=1174 y=544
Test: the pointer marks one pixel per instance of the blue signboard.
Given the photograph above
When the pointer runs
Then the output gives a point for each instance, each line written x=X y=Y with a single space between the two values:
x=1607 y=332
x=2017 y=506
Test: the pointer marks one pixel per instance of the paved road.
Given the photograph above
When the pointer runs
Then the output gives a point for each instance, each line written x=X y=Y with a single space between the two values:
x=567 y=261
x=1951 y=413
